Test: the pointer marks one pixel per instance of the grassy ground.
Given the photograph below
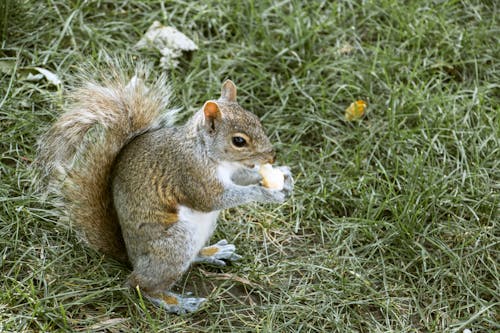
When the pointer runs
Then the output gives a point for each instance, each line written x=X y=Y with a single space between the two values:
x=394 y=223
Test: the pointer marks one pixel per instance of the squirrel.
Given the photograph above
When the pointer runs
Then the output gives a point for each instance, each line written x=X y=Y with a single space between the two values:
x=148 y=192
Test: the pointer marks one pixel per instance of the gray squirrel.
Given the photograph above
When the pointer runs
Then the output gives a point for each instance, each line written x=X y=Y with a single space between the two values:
x=147 y=192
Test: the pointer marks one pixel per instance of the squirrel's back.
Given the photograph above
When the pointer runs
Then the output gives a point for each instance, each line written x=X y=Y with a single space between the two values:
x=76 y=156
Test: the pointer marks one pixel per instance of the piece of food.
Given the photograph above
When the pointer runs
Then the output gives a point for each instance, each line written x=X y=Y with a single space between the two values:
x=169 y=41
x=272 y=178
x=355 y=111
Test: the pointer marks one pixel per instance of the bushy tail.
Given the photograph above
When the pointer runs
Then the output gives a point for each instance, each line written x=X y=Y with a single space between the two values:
x=76 y=156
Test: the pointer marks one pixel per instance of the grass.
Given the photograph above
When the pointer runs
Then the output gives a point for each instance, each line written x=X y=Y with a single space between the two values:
x=393 y=226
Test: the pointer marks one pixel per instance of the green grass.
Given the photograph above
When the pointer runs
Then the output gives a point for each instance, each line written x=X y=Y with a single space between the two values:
x=393 y=226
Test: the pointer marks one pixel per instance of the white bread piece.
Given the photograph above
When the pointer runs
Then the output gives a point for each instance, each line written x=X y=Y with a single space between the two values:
x=272 y=178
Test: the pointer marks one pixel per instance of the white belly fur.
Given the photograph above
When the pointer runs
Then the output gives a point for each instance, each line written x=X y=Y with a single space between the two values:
x=201 y=225
x=225 y=170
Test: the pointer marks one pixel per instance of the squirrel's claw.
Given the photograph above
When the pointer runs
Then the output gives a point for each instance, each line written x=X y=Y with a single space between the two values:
x=177 y=304
x=289 y=182
x=218 y=254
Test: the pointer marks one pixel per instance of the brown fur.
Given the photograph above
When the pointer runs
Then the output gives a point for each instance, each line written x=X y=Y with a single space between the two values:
x=76 y=156
x=127 y=179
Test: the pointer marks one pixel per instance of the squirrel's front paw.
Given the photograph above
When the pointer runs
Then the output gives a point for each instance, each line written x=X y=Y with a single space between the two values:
x=280 y=196
x=218 y=254
x=288 y=183
x=271 y=195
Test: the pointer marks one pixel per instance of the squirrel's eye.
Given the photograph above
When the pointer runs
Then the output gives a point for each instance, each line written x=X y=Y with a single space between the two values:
x=239 y=142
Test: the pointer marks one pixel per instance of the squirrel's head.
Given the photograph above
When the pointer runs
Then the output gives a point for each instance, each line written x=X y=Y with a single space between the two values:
x=232 y=133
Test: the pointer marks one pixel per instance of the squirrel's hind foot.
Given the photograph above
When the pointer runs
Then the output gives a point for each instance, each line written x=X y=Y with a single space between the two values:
x=218 y=254
x=177 y=304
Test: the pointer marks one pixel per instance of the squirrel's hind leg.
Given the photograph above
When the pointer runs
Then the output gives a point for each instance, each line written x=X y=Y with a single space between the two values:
x=218 y=254
x=154 y=285
x=177 y=304
x=156 y=291
x=161 y=262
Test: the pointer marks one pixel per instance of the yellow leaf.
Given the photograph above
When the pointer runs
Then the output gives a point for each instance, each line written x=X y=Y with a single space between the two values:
x=355 y=111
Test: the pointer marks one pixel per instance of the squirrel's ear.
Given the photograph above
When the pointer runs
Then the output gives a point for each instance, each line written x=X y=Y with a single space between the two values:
x=228 y=92
x=212 y=113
